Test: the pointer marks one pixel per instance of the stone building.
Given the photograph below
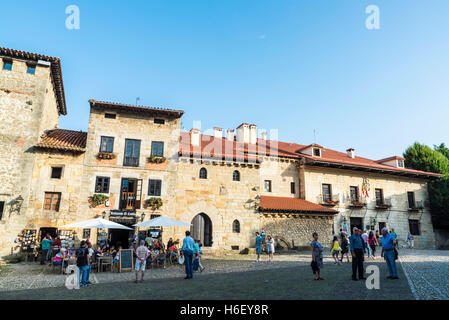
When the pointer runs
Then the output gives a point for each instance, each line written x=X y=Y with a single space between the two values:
x=135 y=163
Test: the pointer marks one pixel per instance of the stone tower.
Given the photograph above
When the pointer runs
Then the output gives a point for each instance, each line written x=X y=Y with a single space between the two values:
x=31 y=101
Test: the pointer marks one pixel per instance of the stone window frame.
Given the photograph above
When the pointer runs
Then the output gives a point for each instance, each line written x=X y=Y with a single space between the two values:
x=54 y=206
x=153 y=148
x=292 y=187
x=412 y=203
x=57 y=166
x=5 y=62
x=270 y=186
x=236 y=175
x=235 y=226
x=136 y=146
x=380 y=201
x=329 y=198
x=101 y=143
x=203 y=173
x=31 y=66
x=103 y=184
x=157 y=181
x=2 y=209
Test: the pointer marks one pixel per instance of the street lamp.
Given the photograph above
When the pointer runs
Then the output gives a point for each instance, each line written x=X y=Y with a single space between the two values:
x=142 y=216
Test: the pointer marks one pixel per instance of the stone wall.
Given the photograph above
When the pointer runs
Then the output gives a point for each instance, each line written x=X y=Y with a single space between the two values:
x=296 y=230
x=394 y=188
x=27 y=108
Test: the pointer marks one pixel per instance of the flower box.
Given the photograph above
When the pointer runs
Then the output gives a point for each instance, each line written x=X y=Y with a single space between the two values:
x=106 y=155
x=153 y=203
x=154 y=159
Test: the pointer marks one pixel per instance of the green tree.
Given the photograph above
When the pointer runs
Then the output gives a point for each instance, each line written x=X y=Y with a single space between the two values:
x=442 y=149
x=422 y=157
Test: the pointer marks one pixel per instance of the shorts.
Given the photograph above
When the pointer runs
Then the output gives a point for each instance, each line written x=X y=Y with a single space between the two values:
x=140 y=266
x=344 y=251
x=335 y=252
x=258 y=250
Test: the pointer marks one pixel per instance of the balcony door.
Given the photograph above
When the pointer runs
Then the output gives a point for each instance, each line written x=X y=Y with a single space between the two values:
x=130 y=194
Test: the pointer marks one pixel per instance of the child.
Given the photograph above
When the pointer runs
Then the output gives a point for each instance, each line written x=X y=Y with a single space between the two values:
x=344 y=247
x=270 y=247
x=335 y=250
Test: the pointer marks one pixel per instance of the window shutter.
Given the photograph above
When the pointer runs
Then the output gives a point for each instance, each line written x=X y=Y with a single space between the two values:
x=138 y=193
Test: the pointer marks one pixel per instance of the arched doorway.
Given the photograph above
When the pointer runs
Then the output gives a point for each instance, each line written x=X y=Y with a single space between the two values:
x=201 y=229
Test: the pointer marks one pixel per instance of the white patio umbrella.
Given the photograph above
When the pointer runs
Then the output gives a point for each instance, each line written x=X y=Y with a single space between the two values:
x=162 y=222
x=97 y=223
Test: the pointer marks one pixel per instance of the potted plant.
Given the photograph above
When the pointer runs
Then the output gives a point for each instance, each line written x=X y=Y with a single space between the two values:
x=154 y=203
x=98 y=199
x=106 y=155
x=156 y=159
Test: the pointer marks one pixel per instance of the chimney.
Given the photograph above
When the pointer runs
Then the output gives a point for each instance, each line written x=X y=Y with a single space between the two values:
x=230 y=135
x=218 y=132
x=195 y=137
x=253 y=134
x=351 y=153
x=264 y=135
x=243 y=133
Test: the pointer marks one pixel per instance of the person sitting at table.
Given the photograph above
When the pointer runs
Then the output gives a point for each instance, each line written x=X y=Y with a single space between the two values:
x=99 y=252
x=59 y=257
x=104 y=249
x=170 y=243
x=112 y=251
x=116 y=257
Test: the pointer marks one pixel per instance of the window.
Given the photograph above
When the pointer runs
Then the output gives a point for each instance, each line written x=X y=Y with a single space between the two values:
x=110 y=115
x=154 y=187
x=31 y=69
x=7 y=65
x=2 y=207
x=236 y=226
x=411 y=199
x=327 y=192
x=379 y=197
x=132 y=153
x=102 y=185
x=414 y=227
x=292 y=188
x=203 y=173
x=107 y=144
x=86 y=233
x=267 y=185
x=157 y=148
x=159 y=121
x=317 y=152
x=401 y=163
x=56 y=172
x=236 y=176
x=354 y=193
x=52 y=201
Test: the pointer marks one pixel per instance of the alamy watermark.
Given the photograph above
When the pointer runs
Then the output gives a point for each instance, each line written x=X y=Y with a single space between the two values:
x=372 y=22
x=73 y=20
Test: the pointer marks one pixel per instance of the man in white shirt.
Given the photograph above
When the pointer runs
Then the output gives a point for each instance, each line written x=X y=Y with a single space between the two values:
x=142 y=254
x=187 y=250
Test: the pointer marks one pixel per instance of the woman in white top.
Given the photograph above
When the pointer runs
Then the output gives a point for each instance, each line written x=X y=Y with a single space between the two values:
x=270 y=247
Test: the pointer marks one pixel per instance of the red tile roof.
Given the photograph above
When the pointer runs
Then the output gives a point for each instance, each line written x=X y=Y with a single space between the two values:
x=389 y=159
x=61 y=139
x=221 y=148
x=135 y=108
x=269 y=203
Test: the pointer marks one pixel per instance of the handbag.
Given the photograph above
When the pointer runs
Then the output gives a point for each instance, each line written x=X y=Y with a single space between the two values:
x=396 y=254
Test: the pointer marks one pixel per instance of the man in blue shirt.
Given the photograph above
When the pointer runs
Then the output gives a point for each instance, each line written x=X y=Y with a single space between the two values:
x=388 y=246
x=258 y=245
x=187 y=249
x=357 y=247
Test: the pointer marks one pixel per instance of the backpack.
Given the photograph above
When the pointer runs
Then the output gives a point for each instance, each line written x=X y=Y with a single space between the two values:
x=81 y=257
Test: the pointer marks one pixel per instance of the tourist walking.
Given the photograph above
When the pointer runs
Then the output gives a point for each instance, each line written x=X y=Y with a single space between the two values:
x=270 y=247
x=187 y=251
x=388 y=252
x=335 y=250
x=258 y=246
x=91 y=253
x=395 y=236
x=344 y=245
x=142 y=253
x=82 y=262
x=357 y=247
x=410 y=241
x=365 y=240
x=317 y=256
x=45 y=246
x=372 y=242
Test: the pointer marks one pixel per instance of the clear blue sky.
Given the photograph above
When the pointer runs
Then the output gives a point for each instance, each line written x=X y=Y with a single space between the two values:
x=292 y=65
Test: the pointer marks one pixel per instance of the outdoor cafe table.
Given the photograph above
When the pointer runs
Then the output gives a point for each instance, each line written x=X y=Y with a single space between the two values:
x=100 y=261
